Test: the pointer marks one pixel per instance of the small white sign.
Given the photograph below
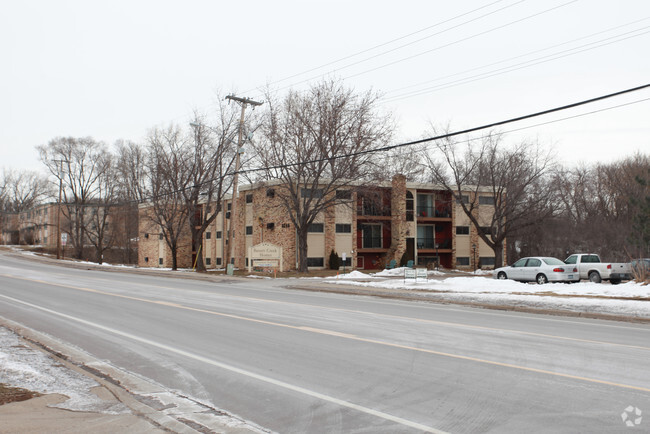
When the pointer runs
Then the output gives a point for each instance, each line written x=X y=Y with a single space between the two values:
x=64 y=238
x=344 y=256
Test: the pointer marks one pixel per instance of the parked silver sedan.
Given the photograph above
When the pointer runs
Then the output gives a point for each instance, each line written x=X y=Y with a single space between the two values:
x=538 y=269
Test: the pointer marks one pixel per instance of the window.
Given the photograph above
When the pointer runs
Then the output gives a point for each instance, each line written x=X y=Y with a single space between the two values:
x=425 y=205
x=462 y=230
x=344 y=194
x=371 y=236
x=313 y=193
x=249 y=230
x=160 y=261
x=146 y=236
x=461 y=261
x=229 y=206
x=347 y=262
x=315 y=262
x=160 y=236
x=532 y=262
x=409 y=206
x=487 y=230
x=228 y=212
x=270 y=226
x=343 y=228
x=286 y=225
x=426 y=238
x=486 y=200
x=208 y=235
x=208 y=261
x=463 y=199
x=218 y=235
x=316 y=227
x=217 y=261
x=486 y=261
x=270 y=193
x=249 y=198
x=146 y=259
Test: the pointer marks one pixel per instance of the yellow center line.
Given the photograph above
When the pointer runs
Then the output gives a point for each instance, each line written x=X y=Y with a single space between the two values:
x=420 y=320
x=349 y=336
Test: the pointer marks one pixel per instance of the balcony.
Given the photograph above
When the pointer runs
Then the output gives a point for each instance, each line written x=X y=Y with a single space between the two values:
x=430 y=244
x=431 y=212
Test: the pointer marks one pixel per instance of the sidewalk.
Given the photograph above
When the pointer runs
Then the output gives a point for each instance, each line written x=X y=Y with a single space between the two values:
x=79 y=394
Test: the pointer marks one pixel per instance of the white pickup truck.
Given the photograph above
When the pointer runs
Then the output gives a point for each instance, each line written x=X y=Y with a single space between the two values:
x=590 y=267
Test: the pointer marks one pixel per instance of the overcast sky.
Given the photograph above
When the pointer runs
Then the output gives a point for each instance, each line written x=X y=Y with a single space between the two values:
x=113 y=70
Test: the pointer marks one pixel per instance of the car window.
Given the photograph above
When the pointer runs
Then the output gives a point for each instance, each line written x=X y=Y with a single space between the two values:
x=552 y=261
x=571 y=259
x=591 y=259
x=520 y=263
x=532 y=262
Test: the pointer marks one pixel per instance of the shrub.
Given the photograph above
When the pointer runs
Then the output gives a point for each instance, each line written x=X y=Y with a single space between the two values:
x=335 y=261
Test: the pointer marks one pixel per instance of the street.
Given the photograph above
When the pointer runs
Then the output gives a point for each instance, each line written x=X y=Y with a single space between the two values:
x=302 y=361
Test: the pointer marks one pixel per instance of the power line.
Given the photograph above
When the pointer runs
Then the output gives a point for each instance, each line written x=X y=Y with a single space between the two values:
x=518 y=66
x=398 y=47
x=521 y=55
x=457 y=133
x=461 y=40
x=458 y=41
x=379 y=45
x=429 y=139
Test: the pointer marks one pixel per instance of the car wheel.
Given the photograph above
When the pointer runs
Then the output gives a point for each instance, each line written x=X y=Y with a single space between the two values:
x=541 y=279
x=594 y=277
x=502 y=276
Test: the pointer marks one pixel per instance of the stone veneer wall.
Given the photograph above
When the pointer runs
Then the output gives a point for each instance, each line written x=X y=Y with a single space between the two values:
x=283 y=234
x=399 y=225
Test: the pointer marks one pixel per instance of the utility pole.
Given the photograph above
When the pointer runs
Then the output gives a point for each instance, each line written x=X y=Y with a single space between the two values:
x=58 y=212
x=230 y=258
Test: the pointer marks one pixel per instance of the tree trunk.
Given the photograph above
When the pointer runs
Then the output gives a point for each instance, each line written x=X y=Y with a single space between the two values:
x=174 y=251
x=302 y=251
x=498 y=254
x=200 y=265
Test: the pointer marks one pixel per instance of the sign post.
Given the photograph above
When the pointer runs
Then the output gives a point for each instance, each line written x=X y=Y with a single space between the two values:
x=64 y=241
x=344 y=256
x=265 y=255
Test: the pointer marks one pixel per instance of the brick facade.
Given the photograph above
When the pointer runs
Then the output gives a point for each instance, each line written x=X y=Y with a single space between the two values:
x=418 y=219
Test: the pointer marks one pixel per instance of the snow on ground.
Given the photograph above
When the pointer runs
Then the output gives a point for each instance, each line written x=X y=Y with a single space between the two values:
x=27 y=368
x=622 y=299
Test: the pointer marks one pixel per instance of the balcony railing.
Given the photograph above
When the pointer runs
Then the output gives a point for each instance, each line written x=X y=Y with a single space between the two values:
x=429 y=243
x=431 y=211
x=372 y=243
x=372 y=210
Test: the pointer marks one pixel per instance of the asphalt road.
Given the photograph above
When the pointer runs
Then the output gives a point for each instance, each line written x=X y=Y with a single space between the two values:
x=301 y=361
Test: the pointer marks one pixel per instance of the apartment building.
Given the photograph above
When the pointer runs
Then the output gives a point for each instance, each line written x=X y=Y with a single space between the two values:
x=371 y=225
x=35 y=226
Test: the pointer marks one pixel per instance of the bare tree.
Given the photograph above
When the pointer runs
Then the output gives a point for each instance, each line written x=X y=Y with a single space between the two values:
x=602 y=205
x=314 y=143
x=168 y=168
x=102 y=210
x=211 y=172
x=131 y=174
x=513 y=180
x=78 y=163
x=22 y=190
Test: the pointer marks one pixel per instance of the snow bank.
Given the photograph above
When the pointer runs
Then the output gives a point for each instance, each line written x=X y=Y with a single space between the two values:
x=24 y=367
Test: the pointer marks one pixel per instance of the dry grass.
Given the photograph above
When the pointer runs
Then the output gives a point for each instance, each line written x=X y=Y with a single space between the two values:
x=15 y=394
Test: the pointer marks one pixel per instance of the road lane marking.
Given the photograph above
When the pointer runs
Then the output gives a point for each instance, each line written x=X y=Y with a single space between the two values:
x=421 y=320
x=361 y=339
x=400 y=317
x=269 y=380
